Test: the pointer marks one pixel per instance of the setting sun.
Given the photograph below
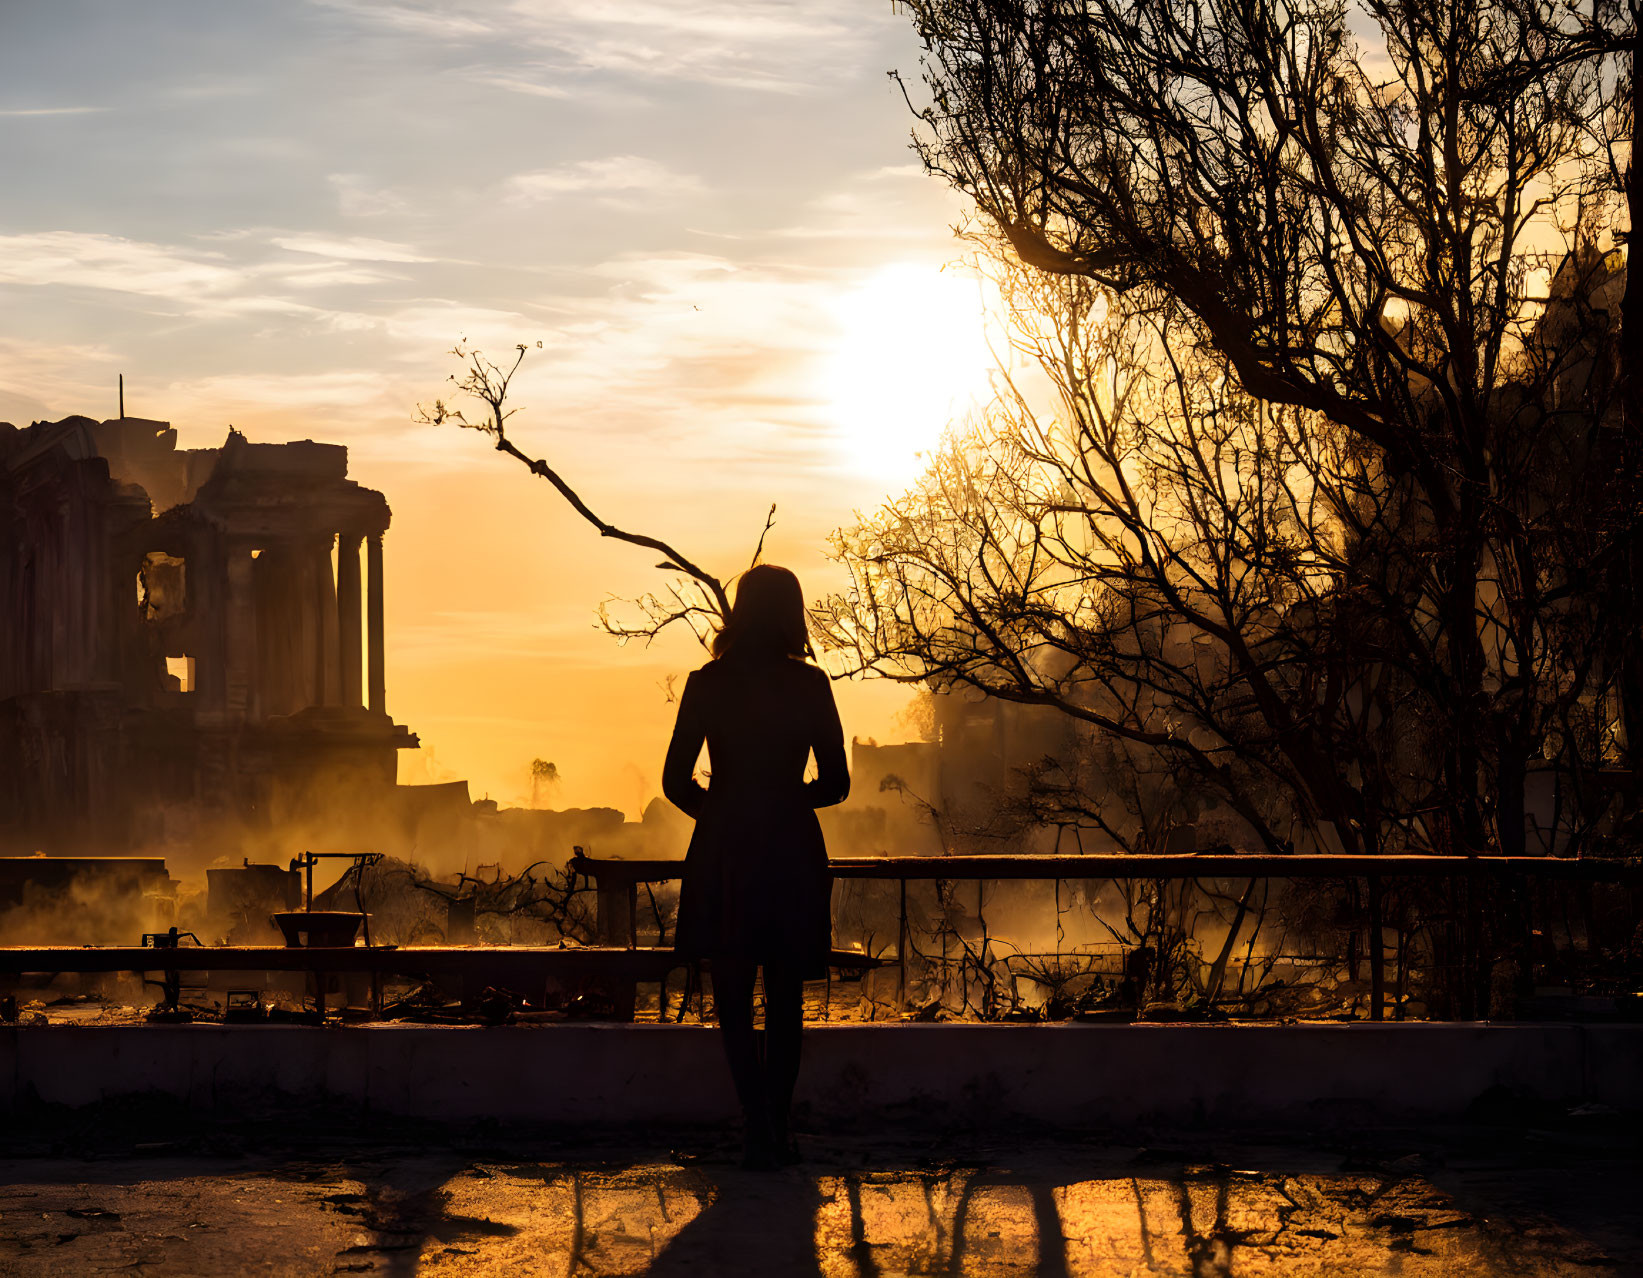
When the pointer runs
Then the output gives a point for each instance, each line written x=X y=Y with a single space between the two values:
x=912 y=356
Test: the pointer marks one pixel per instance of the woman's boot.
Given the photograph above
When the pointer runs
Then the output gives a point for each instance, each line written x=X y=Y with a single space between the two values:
x=759 y=1151
x=783 y=1148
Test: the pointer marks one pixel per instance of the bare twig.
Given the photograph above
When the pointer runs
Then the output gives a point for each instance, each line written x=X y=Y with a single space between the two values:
x=703 y=604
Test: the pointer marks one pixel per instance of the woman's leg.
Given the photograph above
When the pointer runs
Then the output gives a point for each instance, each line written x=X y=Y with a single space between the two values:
x=783 y=1030
x=733 y=1007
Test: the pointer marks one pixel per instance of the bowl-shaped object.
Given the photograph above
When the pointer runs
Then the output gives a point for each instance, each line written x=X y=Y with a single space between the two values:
x=314 y=928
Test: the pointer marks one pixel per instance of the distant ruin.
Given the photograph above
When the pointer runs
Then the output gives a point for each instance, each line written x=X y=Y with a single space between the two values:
x=191 y=644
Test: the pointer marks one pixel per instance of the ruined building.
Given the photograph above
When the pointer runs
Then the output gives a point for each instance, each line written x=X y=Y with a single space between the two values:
x=193 y=651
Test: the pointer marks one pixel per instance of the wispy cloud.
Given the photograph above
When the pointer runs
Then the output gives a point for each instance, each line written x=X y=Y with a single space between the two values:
x=889 y=203
x=17 y=112
x=426 y=327
x=783 y=46
x=188 y=282
x=327 y=274
x=895 y=173
x=357 y=196
x=686 y=347
x=777 y=46
x=354 y=248
x=441 y=21
x=80 y=260
x=611 y=178
x=519 y=84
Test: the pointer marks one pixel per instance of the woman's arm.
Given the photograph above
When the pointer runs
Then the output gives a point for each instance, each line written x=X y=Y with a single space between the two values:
x=832 y=783
x=679 y=782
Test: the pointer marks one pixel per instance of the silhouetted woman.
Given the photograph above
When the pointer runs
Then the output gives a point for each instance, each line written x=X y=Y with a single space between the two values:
x=757 y=891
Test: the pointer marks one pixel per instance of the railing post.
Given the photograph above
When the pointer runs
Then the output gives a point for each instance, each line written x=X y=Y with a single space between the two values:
x=611 y=913
x=614 y=919
x=1377 y=954
x=901 y=950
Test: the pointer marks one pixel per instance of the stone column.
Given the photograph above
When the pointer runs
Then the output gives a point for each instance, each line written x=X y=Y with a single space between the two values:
x=376 y=673
x=325 y=598
x=240 y=635
x=349 y=618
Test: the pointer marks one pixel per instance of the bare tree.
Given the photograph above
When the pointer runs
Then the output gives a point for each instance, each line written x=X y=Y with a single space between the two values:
x=545 y=780
x=1101 y=564
x=1374 y=238
x=697 y=597
x=1237 y=601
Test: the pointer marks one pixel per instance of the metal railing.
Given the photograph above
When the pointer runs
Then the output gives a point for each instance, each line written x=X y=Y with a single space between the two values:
x=617 y=881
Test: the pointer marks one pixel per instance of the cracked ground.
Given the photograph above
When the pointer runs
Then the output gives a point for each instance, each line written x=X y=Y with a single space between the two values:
x=312 y=1195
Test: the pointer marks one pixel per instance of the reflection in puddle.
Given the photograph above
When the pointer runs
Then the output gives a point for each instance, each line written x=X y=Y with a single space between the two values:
x=1196 y=1222
x=1059 y=1214
x=572 y=1223
x=1205 y=1222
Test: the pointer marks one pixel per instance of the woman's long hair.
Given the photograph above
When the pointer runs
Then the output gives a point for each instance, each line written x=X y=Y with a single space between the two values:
x=767 y=618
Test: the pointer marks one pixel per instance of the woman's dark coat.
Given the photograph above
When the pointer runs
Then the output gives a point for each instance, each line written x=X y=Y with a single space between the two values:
x=756 y=884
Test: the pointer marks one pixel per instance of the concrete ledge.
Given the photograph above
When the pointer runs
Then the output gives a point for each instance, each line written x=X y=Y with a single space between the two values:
x=1072 y=1076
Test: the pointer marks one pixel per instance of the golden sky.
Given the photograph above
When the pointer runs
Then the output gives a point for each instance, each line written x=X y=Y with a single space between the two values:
x=282 y=216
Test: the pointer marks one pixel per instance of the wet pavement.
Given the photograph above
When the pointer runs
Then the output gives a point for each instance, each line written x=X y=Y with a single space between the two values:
x=236 y=1201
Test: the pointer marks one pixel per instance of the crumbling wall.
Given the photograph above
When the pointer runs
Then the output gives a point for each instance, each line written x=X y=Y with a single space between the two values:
x=184 y=669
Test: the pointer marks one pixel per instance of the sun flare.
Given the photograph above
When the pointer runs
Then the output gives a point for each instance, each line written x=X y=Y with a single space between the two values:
x=912 y=356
